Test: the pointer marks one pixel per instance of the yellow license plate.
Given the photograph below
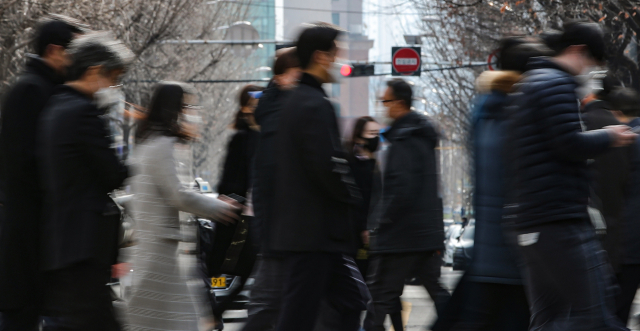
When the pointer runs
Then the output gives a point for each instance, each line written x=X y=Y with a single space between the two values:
x=219 y=282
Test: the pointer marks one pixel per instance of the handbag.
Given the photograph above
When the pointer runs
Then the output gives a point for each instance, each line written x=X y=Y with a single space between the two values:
x=126 y=231
x=226 y=249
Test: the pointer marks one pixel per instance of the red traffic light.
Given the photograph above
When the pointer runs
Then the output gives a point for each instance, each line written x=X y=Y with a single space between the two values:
x=346 y=70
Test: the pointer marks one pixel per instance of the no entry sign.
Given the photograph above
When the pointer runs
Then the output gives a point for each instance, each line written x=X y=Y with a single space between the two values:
x=406 y=61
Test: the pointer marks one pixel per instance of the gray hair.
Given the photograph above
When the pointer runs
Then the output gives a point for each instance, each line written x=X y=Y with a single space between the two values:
x=97 y=48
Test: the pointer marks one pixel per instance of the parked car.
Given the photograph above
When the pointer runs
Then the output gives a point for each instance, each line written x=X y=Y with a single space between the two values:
x=447 y=223
x=225 y=284
x=464 y=248
x=451 y=237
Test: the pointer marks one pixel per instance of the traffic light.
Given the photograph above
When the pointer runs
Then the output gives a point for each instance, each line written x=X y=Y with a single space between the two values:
x=357 y=70
x=346 y=70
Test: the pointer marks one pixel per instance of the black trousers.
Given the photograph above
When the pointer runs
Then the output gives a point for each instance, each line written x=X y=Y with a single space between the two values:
x=570 y=285
x=26 y=318
x=492 y=307
x=266 y=294
x=386 y=282
x=78 y=299
x=314 y=277
x=629 y=280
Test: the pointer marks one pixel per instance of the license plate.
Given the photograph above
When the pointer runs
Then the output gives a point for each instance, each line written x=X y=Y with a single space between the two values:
x=219 y=282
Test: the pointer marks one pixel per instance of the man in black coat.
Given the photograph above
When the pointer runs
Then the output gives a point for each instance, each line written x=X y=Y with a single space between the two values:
x=568 y=282
x=79 y=169
x=409 y=236
x=266 y=294
x=21 y=193
x=625 y=105
x=610 y=174
x=313 y=191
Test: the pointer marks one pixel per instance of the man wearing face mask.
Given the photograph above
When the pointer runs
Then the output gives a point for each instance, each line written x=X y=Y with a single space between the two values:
x=79 y=168
x=20 y=192
x=266 y=293
x=568 y=281
x=409 y=234
x=313 y=192
x=610 y=170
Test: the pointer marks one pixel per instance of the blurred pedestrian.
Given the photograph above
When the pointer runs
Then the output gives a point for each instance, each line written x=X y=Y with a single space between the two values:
x=625 y=105
x=313 y=192
x=79 y=230
x=494 y=297
x=160 y=297
x=236 y=174
x=20 y=193
x=610 y=170
x=362 y=147
x=236 y=179
x=409 y=237
x=567 y=278
x=266 y=292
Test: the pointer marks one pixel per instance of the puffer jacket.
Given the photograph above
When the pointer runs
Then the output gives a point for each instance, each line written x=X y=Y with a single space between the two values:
x=411 y=212
x=548 y=148
x=494 y=261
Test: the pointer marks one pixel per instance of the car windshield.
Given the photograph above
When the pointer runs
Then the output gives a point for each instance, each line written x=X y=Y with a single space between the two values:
x=468 y=233
x=455 y=230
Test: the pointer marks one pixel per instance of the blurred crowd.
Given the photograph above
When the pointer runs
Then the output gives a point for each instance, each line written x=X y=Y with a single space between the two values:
x=328 y=228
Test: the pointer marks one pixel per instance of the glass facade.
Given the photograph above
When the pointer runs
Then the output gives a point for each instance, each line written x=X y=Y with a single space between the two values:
x=262 y=15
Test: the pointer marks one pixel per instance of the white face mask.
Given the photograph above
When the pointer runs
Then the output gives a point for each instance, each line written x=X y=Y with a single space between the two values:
x=334 y=73
x=589 y=81
x=108 y=97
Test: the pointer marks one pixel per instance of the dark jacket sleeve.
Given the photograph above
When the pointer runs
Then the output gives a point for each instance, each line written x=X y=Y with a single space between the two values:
x=96 y=146
x=401 y=184
x=235 y=174
x=321 y=151
x=562 y=123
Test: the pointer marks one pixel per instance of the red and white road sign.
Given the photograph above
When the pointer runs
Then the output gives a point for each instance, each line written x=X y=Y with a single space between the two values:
x=406 y=61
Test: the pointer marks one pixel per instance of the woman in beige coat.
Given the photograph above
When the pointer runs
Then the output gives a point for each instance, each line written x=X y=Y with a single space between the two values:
x=161 y=298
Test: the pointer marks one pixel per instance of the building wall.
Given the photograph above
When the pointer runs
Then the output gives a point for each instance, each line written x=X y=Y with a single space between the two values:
x=353 y=92
x=318 y=11
x=351 y=97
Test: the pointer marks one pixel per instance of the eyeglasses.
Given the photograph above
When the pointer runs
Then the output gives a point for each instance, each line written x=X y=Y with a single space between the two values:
x=386 y=101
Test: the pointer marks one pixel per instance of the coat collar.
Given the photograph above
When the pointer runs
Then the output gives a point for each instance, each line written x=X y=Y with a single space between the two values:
x=64 y=88
x=544 y=62
x=407 y=125
x=309 y=80
x=597 y=106
x=37 y=66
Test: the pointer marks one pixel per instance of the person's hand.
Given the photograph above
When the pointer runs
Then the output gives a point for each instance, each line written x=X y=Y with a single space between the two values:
x=620 y=135
x=230 y=214
x=365 y=237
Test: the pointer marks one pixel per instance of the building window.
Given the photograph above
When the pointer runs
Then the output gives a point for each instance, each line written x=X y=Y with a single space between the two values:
x=336 y=106
x=335 y=90
x=335 y=17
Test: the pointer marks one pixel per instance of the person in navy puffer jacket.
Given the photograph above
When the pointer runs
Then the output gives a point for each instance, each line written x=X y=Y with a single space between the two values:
x=491 y=295
x=569 y=283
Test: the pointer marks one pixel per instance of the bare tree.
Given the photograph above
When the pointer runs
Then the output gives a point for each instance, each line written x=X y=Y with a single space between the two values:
x=141 y=25
x=465 y=31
